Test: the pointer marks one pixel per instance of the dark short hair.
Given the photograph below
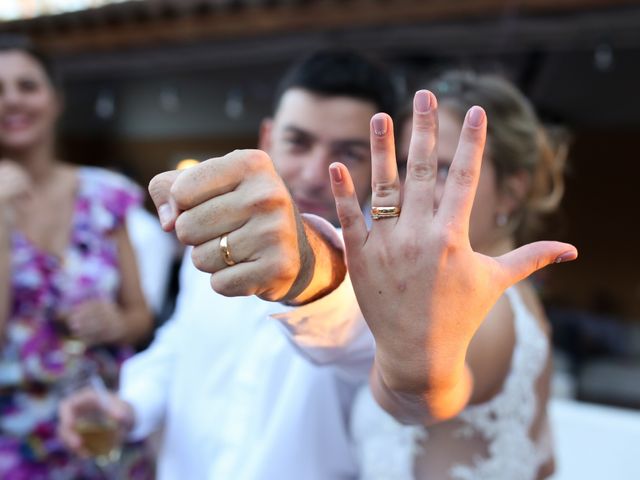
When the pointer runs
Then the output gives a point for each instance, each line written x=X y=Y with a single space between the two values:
x=24 y=44
x=339 y=72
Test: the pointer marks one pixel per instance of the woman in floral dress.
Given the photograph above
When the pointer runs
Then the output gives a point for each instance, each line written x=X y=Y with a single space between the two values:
x=69 y=288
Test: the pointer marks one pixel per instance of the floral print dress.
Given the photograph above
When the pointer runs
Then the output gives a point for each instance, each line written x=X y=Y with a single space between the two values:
x=33 y=357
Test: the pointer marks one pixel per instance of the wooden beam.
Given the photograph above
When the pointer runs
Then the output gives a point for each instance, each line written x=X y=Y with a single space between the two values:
x=88 y=31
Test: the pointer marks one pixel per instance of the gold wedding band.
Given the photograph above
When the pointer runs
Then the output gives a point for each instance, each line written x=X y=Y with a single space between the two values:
x=226 y=252
x=384 y=212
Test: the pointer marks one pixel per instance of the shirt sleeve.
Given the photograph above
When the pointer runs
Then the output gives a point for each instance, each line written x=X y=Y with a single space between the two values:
x=145 y=378
x=331 y=330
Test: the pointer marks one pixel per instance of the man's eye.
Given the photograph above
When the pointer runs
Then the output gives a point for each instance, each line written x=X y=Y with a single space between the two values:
x=296 y=142
x=352 y=157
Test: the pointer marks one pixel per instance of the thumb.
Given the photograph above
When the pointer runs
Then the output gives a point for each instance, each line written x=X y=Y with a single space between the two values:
x=524 y=261
x=121 y=412
x=160 y=191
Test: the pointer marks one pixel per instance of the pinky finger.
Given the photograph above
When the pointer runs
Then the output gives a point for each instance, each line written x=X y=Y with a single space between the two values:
x=354 y=228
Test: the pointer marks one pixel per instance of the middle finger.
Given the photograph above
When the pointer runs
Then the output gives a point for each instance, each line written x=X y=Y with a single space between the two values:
x=422 y=162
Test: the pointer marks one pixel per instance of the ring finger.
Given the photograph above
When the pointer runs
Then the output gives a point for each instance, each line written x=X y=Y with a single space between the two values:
x=385 y=184
x=241 y=247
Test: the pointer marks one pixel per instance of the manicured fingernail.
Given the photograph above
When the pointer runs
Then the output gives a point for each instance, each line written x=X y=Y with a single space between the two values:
x=422 y=101
x=165 y=212
x=336 y=174
x=475 y=116
x=567 y=257
x=379 y=124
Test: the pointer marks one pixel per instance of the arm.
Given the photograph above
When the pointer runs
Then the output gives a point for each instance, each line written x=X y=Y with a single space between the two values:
x=15 y=188
x=5 y=269
x=137 y=320
x=129 y=320
x=422 y=289
x=140 y=405
x=145 y=380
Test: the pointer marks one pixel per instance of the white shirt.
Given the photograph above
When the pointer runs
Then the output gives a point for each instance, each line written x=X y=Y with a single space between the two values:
x=155 y=252
x=251 y=390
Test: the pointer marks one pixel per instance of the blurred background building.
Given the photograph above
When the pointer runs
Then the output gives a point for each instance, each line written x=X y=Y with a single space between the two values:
x=152 y=82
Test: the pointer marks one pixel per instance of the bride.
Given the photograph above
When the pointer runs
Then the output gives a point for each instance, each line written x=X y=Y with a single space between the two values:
x=462 y=363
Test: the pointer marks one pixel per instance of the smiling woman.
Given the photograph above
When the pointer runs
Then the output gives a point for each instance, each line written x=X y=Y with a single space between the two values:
x=67 y=272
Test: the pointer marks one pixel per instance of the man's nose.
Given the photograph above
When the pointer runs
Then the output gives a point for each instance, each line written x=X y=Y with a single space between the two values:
x=316 y=171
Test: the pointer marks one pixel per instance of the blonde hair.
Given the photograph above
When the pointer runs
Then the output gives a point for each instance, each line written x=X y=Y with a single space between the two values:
x=518 y=141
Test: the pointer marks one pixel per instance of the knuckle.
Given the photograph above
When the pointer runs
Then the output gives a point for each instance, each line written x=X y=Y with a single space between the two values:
x=347 y=218
x=270 y=198
x=184 y=229
x=202 y=259
x=385 y=189
x=422 y=170
x=446 y=238
x=423 y=122
x=283 y=268
x=464 y=177
x=181 y=195
x=227 y=285
x=273 y=236
x=254 y=160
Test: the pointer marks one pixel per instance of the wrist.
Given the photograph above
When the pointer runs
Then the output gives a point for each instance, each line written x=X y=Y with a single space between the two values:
x=116 y=331
x=322 y=262
x=419 y=372
x=426 y=405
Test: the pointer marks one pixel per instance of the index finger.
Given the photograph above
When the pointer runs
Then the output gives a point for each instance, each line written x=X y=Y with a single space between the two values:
x=217 y=176
x=462 y=180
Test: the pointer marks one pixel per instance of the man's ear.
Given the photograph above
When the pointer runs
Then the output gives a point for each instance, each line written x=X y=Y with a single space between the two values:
x=264 y=138
x=514 y=190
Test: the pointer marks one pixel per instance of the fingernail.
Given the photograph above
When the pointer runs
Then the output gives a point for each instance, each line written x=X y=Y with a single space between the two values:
x=422 y=101
x=379 y=124
x=336 y=174
x=475 y=116
x=165 y=212
x=567 y=257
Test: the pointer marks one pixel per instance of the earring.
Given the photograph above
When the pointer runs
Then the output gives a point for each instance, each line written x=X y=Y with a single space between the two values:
x=502 y=219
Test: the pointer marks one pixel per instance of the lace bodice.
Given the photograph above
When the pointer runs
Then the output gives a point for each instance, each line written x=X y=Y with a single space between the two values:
x=493 y=437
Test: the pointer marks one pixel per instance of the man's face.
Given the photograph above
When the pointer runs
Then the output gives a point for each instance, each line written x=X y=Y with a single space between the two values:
x=307 y=134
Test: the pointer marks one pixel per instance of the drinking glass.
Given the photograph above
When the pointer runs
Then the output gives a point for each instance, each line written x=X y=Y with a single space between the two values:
x=101 y=435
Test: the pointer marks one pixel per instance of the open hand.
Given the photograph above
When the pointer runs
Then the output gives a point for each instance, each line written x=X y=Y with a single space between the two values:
x=422 y=289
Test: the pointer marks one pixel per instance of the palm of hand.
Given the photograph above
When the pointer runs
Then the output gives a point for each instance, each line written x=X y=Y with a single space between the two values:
x=422 y=289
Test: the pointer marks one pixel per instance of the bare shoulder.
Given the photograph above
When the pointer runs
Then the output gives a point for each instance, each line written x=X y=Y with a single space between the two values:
x=534 y=305
x=490 y=351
